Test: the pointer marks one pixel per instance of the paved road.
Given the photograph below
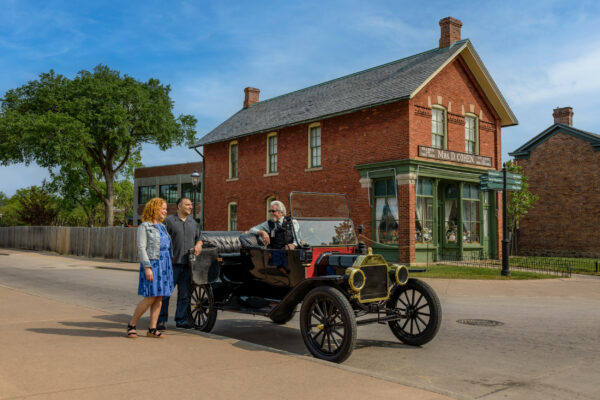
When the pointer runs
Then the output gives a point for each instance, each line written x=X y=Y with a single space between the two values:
x=546 y=345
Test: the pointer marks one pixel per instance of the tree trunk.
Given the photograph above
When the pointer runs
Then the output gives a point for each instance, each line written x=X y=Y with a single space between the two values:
x=109 y=211
x=109 y=200
x=513 y=241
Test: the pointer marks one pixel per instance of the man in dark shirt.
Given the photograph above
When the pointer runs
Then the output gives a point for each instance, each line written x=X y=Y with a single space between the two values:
x=185 y=234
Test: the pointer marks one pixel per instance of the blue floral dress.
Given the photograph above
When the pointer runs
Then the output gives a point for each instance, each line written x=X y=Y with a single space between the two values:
x=162 y=270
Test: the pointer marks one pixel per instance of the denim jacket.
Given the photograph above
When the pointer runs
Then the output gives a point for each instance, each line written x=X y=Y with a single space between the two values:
x=148 y=243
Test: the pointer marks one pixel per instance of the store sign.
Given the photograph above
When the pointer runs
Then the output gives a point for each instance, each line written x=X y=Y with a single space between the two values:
x=447 y=155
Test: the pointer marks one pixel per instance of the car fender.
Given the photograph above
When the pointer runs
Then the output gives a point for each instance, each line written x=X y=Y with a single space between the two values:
x=297 y=294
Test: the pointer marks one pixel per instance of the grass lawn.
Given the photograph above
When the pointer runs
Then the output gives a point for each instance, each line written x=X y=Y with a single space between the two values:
x=577 y=265
x=459 y=272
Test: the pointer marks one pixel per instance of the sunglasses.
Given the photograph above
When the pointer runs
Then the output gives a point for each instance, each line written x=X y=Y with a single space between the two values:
x=273 y=211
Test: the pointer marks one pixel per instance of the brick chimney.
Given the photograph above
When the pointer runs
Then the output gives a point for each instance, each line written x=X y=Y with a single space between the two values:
x=450 y=31
x=251 y=96
x=563 y=115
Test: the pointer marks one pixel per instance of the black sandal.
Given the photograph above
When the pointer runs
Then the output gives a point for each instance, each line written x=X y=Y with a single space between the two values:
x=131 y=331
x=155 y=333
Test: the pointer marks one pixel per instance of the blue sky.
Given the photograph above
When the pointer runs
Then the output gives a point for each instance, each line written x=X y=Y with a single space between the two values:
x=541 y=54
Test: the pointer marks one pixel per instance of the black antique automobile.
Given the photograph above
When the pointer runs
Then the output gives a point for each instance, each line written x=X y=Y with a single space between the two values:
x=339 y=283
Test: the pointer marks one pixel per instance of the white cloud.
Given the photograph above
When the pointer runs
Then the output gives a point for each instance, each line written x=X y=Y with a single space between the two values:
x=576 y=76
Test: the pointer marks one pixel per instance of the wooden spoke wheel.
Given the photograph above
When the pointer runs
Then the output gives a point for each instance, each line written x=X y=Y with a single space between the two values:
x=420 y=311
x=202 y=308
x=328 y=324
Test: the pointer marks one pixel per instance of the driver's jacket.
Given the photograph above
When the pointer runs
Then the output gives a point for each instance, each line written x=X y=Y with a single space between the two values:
x=276 y=233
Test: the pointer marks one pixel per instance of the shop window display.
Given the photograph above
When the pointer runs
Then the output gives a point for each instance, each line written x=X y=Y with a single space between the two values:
x=470 y=213
x=424 y=211
x=451 y=214
x=386 y=211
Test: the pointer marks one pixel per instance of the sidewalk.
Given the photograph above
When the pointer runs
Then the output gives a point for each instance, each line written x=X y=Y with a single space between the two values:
x=54 y=350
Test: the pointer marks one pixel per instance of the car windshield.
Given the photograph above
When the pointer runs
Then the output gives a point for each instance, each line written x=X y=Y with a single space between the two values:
x=323 y=219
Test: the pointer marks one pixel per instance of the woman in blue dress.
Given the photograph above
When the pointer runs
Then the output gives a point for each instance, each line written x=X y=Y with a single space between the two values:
x=156 y=270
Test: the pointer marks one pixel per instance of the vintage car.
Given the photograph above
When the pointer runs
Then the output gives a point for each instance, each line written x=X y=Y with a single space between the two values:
x=338 y=281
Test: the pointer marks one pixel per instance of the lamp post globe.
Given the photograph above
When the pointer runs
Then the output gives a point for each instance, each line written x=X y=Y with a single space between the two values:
x=195 y=179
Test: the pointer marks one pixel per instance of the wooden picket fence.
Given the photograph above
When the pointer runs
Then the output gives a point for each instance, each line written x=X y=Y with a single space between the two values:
x=115 y=242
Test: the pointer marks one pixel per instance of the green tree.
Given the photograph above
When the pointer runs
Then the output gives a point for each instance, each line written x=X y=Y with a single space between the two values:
x=34 y=206
x=76 y=197
x=123 y=201
x=3 y=201
x=95 y=123
x=519 y=202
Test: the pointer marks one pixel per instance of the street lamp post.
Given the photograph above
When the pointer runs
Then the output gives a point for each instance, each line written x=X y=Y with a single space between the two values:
x=505 y=240
x=195 y=180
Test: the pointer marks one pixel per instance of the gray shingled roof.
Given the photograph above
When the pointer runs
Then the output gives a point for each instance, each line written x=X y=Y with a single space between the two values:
x=379 y=85
x=525 y=150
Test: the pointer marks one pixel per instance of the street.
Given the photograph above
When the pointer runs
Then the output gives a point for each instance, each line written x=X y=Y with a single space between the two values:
x=515 y=339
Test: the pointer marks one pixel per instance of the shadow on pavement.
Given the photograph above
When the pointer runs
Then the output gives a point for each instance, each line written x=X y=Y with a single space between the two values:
x=281 y=337
x=77 y=332
x=363 y=343
x=112 y=325
x=263 y=333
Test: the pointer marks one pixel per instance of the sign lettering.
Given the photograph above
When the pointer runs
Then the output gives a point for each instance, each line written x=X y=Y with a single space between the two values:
x=447 y=155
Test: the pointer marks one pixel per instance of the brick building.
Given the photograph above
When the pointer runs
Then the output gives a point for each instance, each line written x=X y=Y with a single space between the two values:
x=563 y=166
x=406 y=141
x=167 y=181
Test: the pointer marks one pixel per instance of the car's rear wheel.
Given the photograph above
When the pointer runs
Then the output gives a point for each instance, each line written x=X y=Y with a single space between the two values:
x=420 y=311
x=202 y=308
x=328 y=324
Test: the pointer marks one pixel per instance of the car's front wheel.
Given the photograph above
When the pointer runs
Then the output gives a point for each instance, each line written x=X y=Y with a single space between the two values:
x=328 y=324
x=202 y=308
x=419 y=311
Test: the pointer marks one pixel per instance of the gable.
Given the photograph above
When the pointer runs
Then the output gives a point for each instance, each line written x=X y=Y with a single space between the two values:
x=524 y=151
x=456 y=89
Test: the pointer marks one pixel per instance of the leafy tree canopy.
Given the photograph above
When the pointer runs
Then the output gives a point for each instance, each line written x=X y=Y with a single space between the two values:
x=90 y=127
x=31 y=206
x=519 y=202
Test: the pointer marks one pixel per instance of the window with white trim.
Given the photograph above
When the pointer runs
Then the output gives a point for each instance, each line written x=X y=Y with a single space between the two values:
x=314 y=142
x=471 y=145
x=233 y=160
x=232 y=217
x=272 y=153
x=438 y=128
